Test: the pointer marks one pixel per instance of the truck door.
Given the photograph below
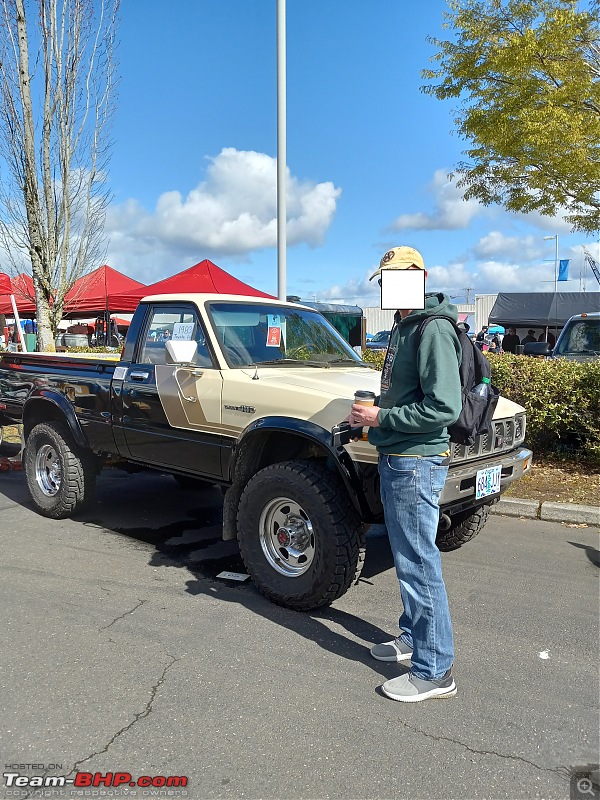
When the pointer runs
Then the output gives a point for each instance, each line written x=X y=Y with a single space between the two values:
x=166 y=422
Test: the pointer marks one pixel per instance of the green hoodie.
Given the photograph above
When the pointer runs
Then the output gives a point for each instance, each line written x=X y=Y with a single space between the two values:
x=424 y=393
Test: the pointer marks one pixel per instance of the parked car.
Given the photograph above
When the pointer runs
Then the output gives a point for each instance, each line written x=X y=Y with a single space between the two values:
x=380 y=341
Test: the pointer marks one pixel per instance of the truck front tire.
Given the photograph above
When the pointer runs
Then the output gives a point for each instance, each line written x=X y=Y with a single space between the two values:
x=300 y=538
x=464 y=527
x=61 y=476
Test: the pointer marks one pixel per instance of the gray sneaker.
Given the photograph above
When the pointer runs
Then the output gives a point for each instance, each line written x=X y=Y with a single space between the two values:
x=408 y=688
x=396 y=650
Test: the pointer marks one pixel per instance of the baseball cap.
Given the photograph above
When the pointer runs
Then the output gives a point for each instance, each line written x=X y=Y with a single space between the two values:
x=400 y=258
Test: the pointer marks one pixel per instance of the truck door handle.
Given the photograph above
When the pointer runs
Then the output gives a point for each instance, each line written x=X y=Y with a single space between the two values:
x=197 y=373
x=139 y=376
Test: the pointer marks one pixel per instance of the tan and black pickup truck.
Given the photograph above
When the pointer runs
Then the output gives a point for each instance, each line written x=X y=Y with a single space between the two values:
x=245 y=393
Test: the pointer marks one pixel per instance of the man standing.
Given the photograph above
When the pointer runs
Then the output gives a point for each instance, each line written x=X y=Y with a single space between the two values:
x=480 y=338
x=420 y=397
x=530 y=337
x=510 y=341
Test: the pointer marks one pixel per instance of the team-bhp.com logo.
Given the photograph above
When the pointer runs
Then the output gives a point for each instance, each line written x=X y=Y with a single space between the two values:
x=94 y=779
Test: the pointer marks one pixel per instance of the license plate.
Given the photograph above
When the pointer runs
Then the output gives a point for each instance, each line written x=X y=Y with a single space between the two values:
x=487 y=482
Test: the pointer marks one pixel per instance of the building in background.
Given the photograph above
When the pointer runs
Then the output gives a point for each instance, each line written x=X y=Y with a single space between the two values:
x=379 y=319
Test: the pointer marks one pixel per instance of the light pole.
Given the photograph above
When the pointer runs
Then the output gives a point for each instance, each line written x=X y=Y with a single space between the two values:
x=281 y=152
x=555 y=237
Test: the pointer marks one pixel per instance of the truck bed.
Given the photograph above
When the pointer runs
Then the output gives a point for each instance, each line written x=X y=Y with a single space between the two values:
x=82 y=380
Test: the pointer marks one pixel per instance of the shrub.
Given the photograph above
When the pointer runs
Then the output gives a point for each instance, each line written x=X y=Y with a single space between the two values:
x=562 y=400
x=114 y=350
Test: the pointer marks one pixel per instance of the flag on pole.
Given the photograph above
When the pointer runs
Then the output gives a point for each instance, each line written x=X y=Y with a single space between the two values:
x=563 y=269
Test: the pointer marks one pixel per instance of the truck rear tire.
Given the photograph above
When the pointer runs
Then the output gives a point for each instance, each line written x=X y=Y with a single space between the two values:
x=61 y=476
x=301 y=540
x=464 y=527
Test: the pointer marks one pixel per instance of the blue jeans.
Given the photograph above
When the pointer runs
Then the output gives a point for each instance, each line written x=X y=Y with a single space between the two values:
x=410 y=491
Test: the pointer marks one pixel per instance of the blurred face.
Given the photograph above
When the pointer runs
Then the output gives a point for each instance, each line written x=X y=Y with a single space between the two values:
x=512 y=331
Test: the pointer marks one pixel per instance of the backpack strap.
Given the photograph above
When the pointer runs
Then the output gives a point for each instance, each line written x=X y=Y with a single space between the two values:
x=424 y=323
x=474 y=365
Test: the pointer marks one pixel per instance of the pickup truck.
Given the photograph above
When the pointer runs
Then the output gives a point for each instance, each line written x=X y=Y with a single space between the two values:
x=246 y=393
x=579 y=340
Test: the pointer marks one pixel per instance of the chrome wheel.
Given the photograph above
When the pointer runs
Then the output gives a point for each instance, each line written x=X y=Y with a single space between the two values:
x=286 y=537
x=48 y=470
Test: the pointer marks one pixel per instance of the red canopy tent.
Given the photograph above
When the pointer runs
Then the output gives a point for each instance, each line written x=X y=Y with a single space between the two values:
x=5 y=284
x=22 y=288
x=202 y=277
x=94 y=292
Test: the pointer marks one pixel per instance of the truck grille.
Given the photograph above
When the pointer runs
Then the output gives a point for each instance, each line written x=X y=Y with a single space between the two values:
x=504 y=434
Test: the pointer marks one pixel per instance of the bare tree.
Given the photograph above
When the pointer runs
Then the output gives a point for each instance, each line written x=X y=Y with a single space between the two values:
x=57 y=76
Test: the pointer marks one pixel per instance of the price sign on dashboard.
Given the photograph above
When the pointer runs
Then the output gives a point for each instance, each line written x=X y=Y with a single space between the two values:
x=183 y=330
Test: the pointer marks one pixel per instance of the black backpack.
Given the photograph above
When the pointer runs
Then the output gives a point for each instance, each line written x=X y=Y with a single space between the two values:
x=477 y=412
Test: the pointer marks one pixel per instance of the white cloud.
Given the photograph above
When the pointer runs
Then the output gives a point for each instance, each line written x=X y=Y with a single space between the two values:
x=451 y=212
x=356 y=291
x=506 y=277
x=451 y=280
x=232 y=212
x=524 y=248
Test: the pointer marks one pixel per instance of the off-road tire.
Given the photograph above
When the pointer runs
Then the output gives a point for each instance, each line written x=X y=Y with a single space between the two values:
x=464 y=527
x=339 y=535
x=77 y=471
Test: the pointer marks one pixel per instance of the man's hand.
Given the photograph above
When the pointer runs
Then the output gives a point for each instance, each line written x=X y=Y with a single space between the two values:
x=364 y=416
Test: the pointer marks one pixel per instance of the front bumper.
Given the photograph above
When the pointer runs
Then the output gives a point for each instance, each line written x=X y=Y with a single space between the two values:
x=459 y=491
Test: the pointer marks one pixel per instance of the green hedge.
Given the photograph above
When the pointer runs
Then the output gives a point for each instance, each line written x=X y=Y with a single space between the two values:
x=562 y=399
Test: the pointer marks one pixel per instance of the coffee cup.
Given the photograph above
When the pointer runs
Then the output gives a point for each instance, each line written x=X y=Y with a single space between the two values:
x=363 y=398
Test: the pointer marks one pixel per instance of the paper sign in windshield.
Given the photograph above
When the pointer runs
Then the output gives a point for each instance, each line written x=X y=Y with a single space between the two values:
x=273 y=330
x=183 y=330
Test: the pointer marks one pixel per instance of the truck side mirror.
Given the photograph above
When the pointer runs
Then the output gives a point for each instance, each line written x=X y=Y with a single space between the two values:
x=181 y=351
x=539 y=349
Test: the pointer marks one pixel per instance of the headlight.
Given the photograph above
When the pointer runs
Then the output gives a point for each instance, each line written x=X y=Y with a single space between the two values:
x=520 y=424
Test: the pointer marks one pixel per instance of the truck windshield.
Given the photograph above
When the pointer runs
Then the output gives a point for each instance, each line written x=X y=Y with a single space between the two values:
x=581 y=337
x=260 y=333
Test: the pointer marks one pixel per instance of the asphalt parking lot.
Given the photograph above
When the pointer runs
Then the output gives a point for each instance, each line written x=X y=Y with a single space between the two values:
x=122 y=652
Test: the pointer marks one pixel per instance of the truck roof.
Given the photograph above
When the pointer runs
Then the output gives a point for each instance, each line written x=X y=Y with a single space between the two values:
x=583 y=315
x=203 y=297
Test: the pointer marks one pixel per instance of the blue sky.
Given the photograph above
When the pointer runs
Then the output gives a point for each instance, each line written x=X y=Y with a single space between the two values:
x=193 y=162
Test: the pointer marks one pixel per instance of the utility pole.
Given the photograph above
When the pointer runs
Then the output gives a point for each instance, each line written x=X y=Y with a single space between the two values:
x=468 y=291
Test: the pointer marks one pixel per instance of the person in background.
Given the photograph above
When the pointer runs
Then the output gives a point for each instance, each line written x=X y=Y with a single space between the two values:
x=510 y=341
x=530 y=337
x=551 y=339
x=420 y=397
x=480 y=338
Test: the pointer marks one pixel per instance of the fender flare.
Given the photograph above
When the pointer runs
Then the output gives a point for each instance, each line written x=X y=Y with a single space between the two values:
x=313 y=433
x=60 y=402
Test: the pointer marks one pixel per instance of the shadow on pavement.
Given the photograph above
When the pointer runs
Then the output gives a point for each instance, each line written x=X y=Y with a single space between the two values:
x=591 y=552
x=184 y=529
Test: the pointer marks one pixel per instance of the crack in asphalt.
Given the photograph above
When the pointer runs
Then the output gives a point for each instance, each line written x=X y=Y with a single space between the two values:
x=556 y=770
x=116 y=619
x=137 y=717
